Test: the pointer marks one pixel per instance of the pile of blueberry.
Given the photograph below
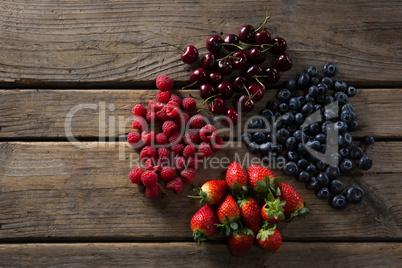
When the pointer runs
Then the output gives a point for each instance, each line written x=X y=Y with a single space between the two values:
x=281 y=131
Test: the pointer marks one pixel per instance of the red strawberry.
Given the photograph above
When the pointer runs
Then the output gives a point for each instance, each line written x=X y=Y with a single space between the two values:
x=203 y=223
x=294 y=203
x=250 y=213
x=211 y=192
x=236 y=174
x=258 y=173
x=228 y=210
x=241 y=241
x=272 y=211
x=269 y=238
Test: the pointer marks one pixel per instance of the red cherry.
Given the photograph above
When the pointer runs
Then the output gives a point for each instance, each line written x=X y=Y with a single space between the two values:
x=206 y=91
x=245 y=103
x=225 y=89
x=217 y=106
x=254 y=69
x=208 y=61
x=190 y=54
x=214 y=43
x=262 y=36
x=246 y=33
x=279 y=45
x=231 y=39
x=239 y=60
x=215 y=78
x=232 y=117
x=284 y=62
x=257 y=91
x=199 y=75
x=239 y=82
x=272 y=74
x=255 y=55
x=224 y=66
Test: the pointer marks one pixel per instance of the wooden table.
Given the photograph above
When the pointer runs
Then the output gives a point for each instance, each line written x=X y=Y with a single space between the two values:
x=68 y=205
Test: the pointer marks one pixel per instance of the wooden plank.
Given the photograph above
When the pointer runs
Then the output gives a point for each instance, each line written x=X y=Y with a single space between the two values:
x=107 y=113
x=56 y=191
x=119 y=42
x=207 y=255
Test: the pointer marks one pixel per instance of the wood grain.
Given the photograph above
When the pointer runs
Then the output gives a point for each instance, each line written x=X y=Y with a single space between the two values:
x=107 y=113
x=208 y=254
x=57 y=192
x=103 y=42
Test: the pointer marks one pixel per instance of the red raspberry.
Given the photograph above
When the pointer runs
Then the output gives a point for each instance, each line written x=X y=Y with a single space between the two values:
x=206 y=132
x=175 y=185
x=155 y=106
x=153 y=191
x=177 y=149
x=179 y=162
x=135 y=175
x=133 y=138
x=139 y=110
x=204 y=150
x=151 y=116
x=161 y=139
x=189 y=151
x=173 y=104
x=148 y=138
x=140 y=123
x=175 y=138
x=149 y=178
x=182 y=119
x=169 y=128
x=163 y=97
x=188 y=175
x=197 y=121
x=153 y=165
x=162 y=115
x=216 y=142
x=189 y=104
x=191 y=137
x=148 y=152
x=167 y=173
x=164 y=153
x=172 y=111
x=193 y=162
x=176 y=99
x=164 y=83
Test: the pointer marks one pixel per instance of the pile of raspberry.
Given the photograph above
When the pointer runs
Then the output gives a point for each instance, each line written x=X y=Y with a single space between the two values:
x=171 y=156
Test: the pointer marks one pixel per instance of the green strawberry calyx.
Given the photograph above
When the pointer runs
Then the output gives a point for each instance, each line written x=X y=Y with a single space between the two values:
x=266 y=231
x=274 y=207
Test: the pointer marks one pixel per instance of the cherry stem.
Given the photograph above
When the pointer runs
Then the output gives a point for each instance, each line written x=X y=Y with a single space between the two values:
x=268 y=45
x=230 y=44
x=212 y=97
x=226 y=57
x=192 y=84
x=265 y=21
x=176 y=46
x=258 y=81
x=196 y=98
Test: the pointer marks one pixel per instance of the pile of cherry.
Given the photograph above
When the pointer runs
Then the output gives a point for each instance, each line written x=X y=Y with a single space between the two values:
x=237 y=63
x=172 y=155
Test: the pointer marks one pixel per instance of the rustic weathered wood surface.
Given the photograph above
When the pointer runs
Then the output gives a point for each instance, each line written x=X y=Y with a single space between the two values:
x=64 y=205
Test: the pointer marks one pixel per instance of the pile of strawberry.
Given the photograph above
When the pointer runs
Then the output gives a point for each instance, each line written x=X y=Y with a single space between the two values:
x=246 y=207
x=172 y=155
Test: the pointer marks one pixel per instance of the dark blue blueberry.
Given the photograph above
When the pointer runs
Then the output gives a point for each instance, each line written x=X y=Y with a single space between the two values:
x=255 y=123
x=311 y=168
x=309 y=98
x=301 y=149
x=267 y=114
x=338 y=202
x=307 y=108
x=299 y=119
x=328 y=81
x=321 y=137
x=303 y=80
x=294 y=103
x=355 y=194
x=269 y=137
x=335 y=158
x=332 y=141
x=333 y=172
x=312 y=71
x=292 y=128
x=284 y=95
x=324 y=126
x=298 y=135
x=353 y=126
x=348 y=117
x=266 y=147
x=303 y=176
x=315 y=128
x=365 y=162
x=279 y=148
x=291 y=169
x=346 y=166
x=283 y=108
x=313 y=91
x=315 y=145
x=315 y=80
x=344 y=152
x=320 y=99
x=368 y=140
x=341 y=97
x=340 y=86
x=282 y=135
x=356 y=153
x=302 y=99
x=329 y=99
x=246 y=138
x=295 y=94
x=280 y=161
x=323 y=193
x=302 y=163
x=272 y=105
x=345 y=140
x=293 y=156
x=320 y=165
x=291 y=143
x=323 y=88
x=330 y=69
x=336 y=187
x=330 y=113
x=348 y=107
x=254 y=148
x=311 y=158
x=259 y=137
x=312 y=184
x=291 y=84
x=341 y=127
x=288 y=118
x=323 y=179
x=351 y=91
